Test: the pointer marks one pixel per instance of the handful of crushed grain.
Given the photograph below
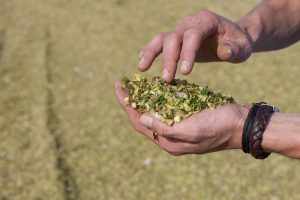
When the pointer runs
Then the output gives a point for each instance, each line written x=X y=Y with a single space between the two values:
x=171 y=102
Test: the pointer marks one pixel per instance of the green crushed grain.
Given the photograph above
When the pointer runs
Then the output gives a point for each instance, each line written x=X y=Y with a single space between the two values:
x=171 y=102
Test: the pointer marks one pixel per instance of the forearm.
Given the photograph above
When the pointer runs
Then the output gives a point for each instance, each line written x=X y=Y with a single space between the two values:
x=283 y=135
x=273 y=24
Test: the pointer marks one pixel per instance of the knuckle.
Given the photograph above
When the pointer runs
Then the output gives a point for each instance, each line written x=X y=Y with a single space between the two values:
x=173 y=35
x=207 y=15
x=149 y=51
x=206 y=12
x=159 y=35
x=145 y=49
x=244 y=41
x=150 y=47
x=188 y=17
x=191 y=32
x=188 y=54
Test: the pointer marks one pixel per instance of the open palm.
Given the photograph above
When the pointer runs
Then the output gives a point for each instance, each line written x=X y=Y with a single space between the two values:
x=207 y=131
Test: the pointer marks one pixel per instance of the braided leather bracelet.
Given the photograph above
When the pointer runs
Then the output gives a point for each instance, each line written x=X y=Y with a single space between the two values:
x=255 y=125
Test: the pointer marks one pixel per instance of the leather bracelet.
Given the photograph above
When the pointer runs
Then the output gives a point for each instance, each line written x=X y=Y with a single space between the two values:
x=255 y=125
x=247 y=126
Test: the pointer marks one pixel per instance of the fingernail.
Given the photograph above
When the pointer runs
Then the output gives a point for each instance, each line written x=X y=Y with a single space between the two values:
x=142 y=61
x=146 y=121
x=165 y=74
x=141 y=54
x=229 y=52
x=184 y=66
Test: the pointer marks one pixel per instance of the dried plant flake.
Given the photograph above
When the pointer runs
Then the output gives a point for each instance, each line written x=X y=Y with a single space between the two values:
x=171 y=102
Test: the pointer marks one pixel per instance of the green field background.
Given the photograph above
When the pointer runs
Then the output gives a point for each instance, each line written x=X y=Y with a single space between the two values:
x=63 y=134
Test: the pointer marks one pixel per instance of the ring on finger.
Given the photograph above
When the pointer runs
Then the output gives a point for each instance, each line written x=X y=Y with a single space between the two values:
x=155 y=135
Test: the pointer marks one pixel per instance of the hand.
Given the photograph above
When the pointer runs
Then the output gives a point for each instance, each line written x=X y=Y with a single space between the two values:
x=206 y=131
x=200 y=37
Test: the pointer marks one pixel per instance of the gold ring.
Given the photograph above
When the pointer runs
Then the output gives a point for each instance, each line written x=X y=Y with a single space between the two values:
x=155 y=135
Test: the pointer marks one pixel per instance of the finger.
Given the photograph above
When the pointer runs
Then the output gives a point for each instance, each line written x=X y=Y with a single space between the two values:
x=171 y=132
x=232 y=52
x=174 y=143
x=191 y=44
x=178 y=147
x=171 y=51
x=225 y=51
x=171 y=145
x=121 y=94
x=154 y=124
x=134 y=116
x=150 y=52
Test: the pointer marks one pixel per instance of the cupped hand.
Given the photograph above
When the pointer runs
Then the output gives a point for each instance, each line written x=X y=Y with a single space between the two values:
x=207 y=131
x=200 y=37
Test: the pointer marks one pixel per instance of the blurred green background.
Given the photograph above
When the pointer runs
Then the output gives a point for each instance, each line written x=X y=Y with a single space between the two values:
x=63 y=134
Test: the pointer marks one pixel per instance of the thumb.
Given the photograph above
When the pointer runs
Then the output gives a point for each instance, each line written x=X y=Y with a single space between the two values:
x=225 y=52
x=156 y=125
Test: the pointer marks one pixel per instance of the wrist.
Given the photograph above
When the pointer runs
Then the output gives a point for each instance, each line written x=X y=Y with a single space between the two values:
x=236 y=134
x=280 y=136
